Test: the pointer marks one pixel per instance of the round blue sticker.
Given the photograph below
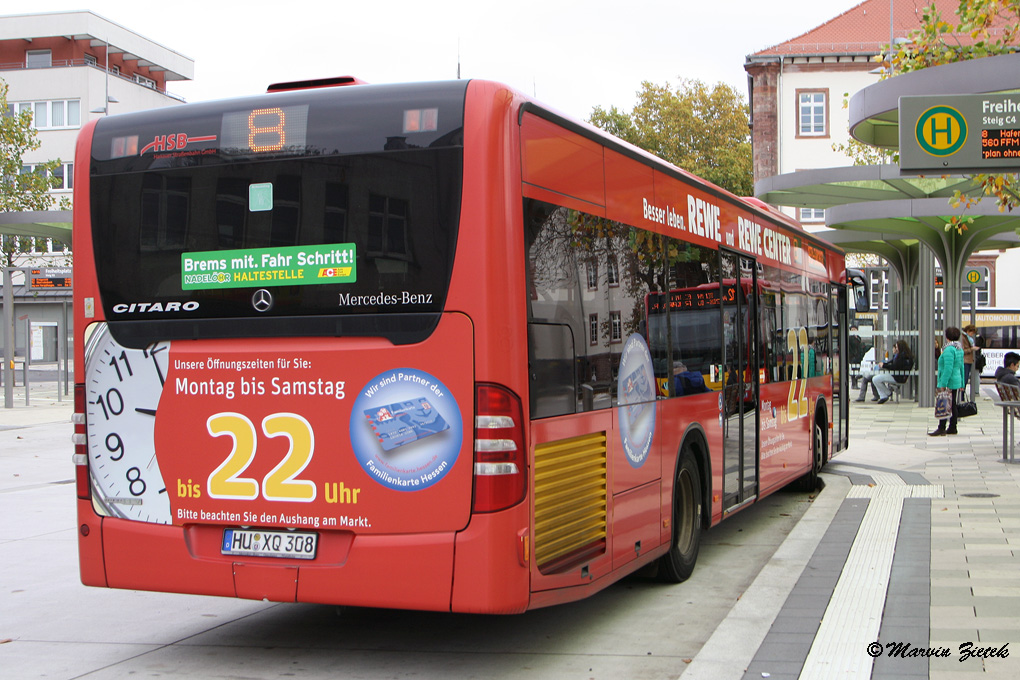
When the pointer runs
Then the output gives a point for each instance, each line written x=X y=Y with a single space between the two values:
x=636 y=399
x=406 y=429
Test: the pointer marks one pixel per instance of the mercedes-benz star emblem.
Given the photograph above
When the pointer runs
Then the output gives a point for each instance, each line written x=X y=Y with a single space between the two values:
x=262 y=300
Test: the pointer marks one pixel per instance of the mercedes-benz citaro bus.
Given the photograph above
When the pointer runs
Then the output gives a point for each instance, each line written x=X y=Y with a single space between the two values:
x=390 y=346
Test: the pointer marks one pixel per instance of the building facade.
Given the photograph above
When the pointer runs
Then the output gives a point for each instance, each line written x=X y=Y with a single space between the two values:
x=68 y=68
x=798 y=91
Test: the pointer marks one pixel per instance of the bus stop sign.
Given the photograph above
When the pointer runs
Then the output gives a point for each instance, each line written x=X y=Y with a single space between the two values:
x=975 y=276
x=960 y=133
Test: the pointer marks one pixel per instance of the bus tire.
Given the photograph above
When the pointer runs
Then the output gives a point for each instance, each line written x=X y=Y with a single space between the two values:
x=677 y=565
x=809 y=482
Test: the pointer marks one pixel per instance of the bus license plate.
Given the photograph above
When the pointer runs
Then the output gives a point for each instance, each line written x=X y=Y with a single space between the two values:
x=258 y=543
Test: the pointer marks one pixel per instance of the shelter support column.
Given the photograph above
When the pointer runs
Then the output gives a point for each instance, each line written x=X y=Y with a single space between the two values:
x=926 y=328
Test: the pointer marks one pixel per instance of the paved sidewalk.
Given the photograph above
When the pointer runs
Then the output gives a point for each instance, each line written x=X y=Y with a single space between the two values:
x=906 y=566
x=974 y=537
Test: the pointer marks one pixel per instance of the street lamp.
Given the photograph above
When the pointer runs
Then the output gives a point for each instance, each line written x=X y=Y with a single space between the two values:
x=105 y=109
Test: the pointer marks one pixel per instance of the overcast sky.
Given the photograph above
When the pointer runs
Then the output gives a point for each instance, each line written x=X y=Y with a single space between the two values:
x=571 y=55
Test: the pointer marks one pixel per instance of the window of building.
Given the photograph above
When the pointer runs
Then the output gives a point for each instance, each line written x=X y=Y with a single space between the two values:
x=613 y=273
x=47 y=246
x=812 y=113
x=28 y=245
x=615 y=327
x=61 y=114
x=812 y=215
x=592 y=274
x=90 y=60
x=593 y=329
x=64 y=172
x=147 y=82
x=38 y=59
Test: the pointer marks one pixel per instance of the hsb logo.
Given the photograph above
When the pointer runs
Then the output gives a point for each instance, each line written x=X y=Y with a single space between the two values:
x=172 y=142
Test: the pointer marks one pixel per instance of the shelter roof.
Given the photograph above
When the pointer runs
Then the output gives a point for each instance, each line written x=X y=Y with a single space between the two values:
x=41 y=224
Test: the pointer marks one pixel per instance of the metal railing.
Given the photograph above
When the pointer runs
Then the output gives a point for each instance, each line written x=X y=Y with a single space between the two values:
x=77 y=63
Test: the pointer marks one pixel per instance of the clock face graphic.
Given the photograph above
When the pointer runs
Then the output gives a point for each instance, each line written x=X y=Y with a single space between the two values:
x=123 y=387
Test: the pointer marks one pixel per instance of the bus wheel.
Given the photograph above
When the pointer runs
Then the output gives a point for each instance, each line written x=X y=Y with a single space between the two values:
x=677 y=565
x=809 y=482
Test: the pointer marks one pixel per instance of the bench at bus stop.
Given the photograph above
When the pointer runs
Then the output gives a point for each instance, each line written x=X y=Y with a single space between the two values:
x=897 y=387
x=1009 y=402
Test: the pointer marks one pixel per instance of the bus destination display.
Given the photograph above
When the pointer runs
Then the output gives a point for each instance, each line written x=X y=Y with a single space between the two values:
x=273 y=128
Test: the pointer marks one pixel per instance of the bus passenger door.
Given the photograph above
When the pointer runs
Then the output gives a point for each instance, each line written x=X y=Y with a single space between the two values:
x=838 y=356
x=741 y=363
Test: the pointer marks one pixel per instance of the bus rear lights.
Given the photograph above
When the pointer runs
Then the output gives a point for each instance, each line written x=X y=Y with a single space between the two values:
x=493 y=469
x=421 y=120
x=80 y=440
x=500 y=469
x=493 y=422
x=493 y=445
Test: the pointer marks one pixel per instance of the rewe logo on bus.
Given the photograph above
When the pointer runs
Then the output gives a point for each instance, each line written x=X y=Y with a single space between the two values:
x=173 y=142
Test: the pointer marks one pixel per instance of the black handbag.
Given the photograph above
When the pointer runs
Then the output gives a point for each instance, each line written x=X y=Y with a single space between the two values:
x=965 y=408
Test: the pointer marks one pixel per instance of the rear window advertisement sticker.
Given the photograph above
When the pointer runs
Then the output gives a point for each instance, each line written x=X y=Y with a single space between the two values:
x=406 y=429
x=636 y=399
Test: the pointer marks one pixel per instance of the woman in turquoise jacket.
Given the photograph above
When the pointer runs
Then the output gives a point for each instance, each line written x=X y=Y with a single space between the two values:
x=950 y=377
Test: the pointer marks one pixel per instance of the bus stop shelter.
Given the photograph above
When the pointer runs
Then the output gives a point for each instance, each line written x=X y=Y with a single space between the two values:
x=54 y=224
x=883 y=210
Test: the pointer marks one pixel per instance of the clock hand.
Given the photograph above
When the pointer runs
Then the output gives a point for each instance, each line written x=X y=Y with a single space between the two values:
x=147 y=411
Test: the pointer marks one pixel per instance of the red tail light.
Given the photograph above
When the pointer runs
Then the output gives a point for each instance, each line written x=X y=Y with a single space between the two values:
x=81 y=457
x=500 y=455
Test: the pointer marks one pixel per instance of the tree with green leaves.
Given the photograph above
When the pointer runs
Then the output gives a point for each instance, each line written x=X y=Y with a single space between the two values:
x=701 y=129
x=983 y=28
x=21 y=191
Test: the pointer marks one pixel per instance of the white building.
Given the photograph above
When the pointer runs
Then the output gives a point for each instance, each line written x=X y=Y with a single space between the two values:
x=798 y=89
x=70 y=67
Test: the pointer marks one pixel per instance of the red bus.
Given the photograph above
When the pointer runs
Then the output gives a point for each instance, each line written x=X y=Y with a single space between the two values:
x=389 y=346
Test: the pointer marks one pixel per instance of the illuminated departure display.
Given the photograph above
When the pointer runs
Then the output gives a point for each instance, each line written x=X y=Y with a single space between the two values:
x=686 y=299
x=51 y=278
x=1000 y=144
x=265 y=130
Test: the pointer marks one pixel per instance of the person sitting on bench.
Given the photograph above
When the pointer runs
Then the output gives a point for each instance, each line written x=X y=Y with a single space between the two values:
x=901 y=362
x=1007 y=372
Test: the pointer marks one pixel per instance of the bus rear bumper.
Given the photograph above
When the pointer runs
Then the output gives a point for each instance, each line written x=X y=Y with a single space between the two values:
x=405 y=572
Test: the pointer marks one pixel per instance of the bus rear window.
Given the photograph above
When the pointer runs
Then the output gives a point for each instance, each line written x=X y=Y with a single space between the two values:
x=336 y=241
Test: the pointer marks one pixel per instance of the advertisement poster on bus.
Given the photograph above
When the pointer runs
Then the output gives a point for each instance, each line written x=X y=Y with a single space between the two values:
x=279 y=434
x=636 y=390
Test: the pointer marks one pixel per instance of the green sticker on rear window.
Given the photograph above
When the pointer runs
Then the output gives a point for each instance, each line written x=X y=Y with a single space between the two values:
x=263 y=267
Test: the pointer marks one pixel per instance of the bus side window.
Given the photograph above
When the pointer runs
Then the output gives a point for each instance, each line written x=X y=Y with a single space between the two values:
x=694 y=315
x=551 y=369
x=556 y=331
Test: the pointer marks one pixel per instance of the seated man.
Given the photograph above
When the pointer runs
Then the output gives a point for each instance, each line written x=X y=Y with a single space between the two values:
x=687 y=382
x=1007 y=372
